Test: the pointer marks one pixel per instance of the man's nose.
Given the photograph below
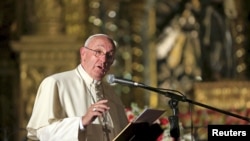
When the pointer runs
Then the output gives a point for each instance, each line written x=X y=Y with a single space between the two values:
x=104 y=57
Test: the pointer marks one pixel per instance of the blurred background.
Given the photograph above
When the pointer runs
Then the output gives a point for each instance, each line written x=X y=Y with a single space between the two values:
x=197 y=47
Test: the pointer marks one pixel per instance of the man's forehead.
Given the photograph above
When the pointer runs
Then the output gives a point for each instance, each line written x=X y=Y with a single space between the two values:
x=109 y=48
x=106 y=44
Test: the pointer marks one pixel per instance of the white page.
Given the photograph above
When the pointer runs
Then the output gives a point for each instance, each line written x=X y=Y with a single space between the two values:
x=149 y=115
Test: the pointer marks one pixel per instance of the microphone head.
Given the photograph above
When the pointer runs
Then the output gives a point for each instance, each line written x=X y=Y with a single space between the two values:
x=110 y=79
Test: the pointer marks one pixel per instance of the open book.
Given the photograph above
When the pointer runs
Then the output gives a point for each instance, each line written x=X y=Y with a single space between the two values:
x=142 y=128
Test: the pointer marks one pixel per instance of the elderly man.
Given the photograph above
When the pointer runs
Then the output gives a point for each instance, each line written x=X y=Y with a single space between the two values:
x=77 y=105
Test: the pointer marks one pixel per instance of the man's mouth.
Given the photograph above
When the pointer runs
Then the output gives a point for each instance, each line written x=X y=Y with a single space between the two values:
x=101 y=68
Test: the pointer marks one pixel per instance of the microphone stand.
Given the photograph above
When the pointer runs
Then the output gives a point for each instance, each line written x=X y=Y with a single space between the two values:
x=171 y=94
x=173 y=103
x=174 y=121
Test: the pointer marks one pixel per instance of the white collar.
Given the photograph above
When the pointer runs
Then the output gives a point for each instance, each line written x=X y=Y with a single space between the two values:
x=87 y=78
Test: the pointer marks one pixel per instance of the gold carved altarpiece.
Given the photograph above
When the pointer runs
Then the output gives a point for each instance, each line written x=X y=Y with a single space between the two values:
x=225 y=95
x=49 y=50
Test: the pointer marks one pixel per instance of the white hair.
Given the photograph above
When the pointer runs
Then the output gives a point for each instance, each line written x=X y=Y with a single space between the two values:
x=98 y=35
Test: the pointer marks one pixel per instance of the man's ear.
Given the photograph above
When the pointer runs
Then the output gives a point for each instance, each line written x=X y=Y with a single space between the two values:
x=82 y=50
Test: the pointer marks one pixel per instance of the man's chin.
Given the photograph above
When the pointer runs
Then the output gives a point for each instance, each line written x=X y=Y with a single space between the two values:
x=100 y=76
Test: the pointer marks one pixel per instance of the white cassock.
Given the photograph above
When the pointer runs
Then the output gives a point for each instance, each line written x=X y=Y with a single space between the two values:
x=61 y=101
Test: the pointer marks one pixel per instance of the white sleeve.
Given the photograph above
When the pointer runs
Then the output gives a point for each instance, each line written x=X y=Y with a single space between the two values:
x=81 y=127
x=66 y=129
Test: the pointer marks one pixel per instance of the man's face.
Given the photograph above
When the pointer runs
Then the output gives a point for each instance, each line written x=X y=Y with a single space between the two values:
x=97 y=57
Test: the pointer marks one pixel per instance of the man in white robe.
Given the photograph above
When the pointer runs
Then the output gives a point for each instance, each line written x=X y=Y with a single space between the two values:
x=66 y=106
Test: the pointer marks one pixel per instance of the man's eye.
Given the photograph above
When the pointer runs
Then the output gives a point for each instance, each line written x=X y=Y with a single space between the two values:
x=110 y=54
x=99 y=52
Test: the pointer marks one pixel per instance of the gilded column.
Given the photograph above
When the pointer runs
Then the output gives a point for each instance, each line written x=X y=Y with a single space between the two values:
x=49 y=17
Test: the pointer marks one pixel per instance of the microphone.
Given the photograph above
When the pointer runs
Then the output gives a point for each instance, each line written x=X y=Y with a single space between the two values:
x=111 y=79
